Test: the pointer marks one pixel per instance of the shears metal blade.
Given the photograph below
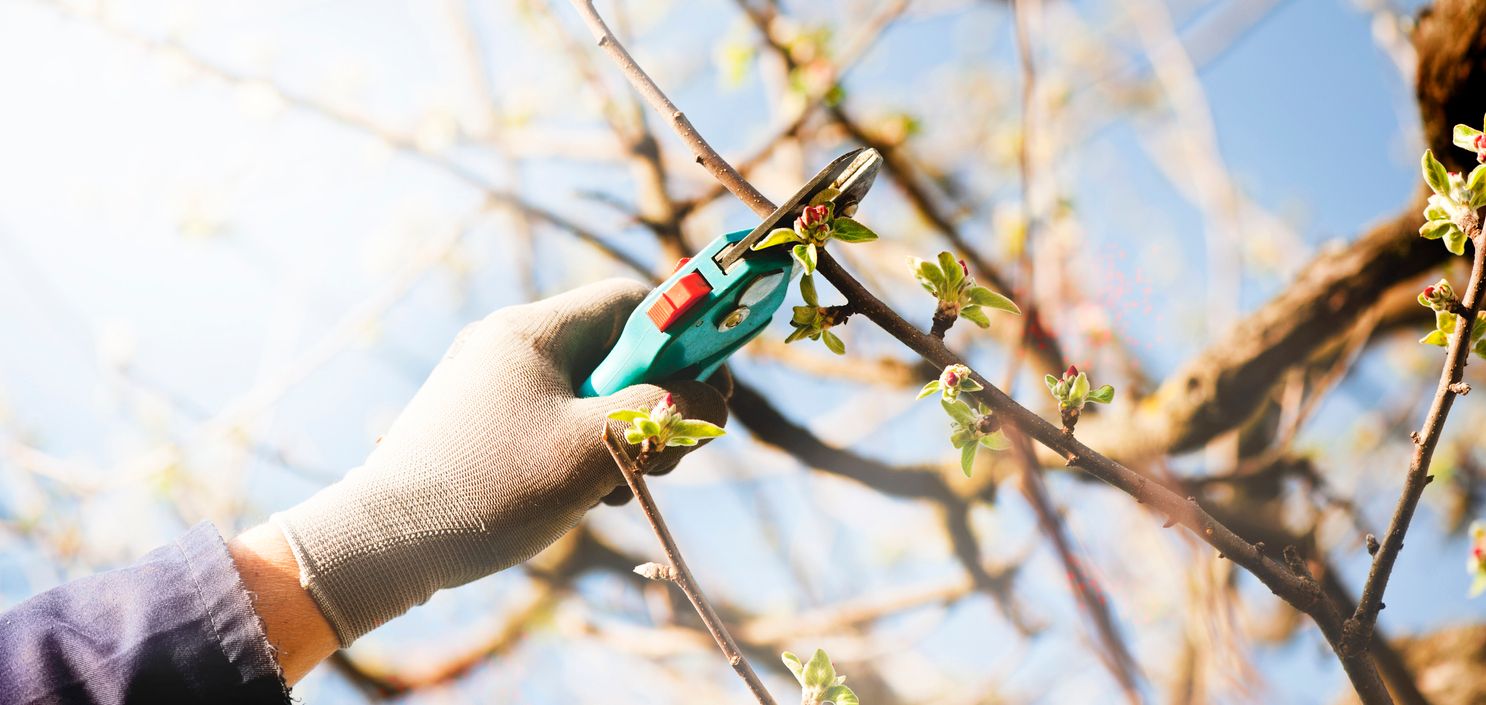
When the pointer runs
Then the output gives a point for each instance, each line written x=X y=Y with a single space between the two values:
x=849 y=176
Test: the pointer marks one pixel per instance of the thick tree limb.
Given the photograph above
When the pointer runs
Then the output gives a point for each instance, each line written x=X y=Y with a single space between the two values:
x=1227 y=383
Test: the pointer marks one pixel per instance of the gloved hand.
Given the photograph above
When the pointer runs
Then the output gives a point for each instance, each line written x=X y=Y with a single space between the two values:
x=491 y=461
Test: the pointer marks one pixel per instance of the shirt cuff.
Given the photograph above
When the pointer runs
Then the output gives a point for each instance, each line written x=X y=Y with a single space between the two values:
x=236 y=625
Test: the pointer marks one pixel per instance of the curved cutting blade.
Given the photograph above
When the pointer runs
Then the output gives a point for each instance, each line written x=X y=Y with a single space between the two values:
x=849 y=175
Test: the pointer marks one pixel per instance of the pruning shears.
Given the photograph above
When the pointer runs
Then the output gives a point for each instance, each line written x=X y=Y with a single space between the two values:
x=719 y=299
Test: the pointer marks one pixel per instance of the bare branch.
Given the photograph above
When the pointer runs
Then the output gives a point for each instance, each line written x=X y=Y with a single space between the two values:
x=1359 y=627
x=683 y=577
x=706 y=155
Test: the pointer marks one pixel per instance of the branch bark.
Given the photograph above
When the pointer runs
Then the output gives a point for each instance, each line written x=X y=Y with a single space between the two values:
x=1359 y=627
x=682 y=574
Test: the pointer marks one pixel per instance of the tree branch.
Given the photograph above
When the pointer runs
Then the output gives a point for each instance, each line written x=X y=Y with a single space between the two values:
x=1359 y=627
x=706 y=156
x=682 y=575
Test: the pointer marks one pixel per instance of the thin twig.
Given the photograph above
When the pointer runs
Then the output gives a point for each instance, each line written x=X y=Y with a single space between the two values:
x=683 y=577
x=706 y=156
x=179 y=51
x=1024 y=168
x=1117 y=657
x=1359 y=627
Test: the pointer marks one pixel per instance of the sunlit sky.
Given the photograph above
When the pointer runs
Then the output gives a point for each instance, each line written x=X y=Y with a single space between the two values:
x=211 y=238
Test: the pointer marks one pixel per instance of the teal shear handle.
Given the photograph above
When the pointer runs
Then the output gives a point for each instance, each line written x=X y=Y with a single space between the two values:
x=689 y=325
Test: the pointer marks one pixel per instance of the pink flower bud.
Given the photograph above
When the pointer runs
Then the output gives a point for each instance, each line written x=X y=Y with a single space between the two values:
x=665 y=405
x=964 y=268
x=813 y=217
x=951 y=378
x=1071 y=373
x=1428 y=292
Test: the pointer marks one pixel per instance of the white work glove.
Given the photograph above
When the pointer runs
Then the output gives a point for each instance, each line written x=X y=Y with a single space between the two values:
x=492 y=460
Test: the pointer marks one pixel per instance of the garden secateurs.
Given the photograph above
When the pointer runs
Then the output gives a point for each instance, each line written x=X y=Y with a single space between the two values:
x=719 y=299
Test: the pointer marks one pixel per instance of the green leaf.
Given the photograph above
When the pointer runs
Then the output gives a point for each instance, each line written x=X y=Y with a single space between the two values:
x=1080 y=388
x=841 y=695
x=995 y=441
x=1436 y=229
x=1475 y=185
x=648 y=427
x=697 y=428
x=960 y=436
x=849 y=230
x=1444 y=321
x=825 y=196
x=680 y=441
x=967 y=459
x=797 y=334
x=1436 y=211
x=1480 y=347
x=628 y=415
x=634 y=436
x=1104 y=394
x=1465 y=137
x=1435 y=337
x=777 y=236
x=1050 y=381
x=929 y=275
x=976 y=315
x=804 y=315
x=1455 y=241
x=832 y=342
x=958 y=410
x=818 y=672
x=807 y=290
x=792 y=662
x=805 y=255
x=982 y=296
x=1435 y=174
x=953 y=274
x=970 y=385
x=929 y=389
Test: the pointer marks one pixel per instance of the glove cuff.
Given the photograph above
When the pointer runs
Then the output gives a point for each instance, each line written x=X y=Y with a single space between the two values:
x=359 y=575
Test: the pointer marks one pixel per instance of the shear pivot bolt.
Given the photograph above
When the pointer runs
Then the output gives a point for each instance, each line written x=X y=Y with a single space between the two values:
x=731 y=321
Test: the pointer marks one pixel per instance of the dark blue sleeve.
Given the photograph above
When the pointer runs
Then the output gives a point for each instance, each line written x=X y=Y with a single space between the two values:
x=176 y=627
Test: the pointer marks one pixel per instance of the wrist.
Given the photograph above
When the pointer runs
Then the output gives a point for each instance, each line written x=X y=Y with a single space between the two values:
x=298 y=632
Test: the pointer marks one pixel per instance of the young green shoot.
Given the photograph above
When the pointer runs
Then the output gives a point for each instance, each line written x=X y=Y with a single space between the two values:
x=819 y=683
x=816 y=225
x=1072 y=392
x=969 y=429
x=663 y=426
x=1440 y=298
x=953 y=380
x=1452 y=208
x=814 y=321
x=949 y=280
